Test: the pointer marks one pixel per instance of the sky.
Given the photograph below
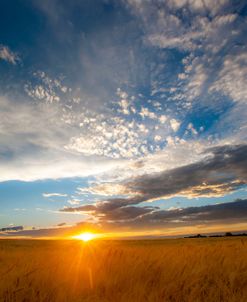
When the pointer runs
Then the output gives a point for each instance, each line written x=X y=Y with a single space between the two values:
x=123 y=116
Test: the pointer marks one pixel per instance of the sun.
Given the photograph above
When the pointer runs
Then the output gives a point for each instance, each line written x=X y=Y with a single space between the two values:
x=85 y=236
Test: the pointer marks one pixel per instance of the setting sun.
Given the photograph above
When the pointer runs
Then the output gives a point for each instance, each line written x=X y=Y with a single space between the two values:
x=85 y=236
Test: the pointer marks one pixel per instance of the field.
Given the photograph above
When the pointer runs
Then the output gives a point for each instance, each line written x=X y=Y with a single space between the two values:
x=178 y=270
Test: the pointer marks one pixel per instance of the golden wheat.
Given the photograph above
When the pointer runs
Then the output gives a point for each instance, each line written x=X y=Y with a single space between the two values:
x=119 y=271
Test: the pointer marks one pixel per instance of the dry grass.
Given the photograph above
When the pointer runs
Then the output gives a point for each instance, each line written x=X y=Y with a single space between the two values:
x=165 y=270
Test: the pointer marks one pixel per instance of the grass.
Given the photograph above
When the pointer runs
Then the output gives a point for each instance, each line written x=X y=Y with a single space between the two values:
x=179 y=270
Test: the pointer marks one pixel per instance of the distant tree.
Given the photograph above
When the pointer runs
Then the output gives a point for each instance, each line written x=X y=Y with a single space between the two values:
x=197 y=236
x=200 y=236
x=228 y=234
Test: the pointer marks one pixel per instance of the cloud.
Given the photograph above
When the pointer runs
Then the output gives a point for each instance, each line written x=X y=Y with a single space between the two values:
x=232 y=214
x=232 y=78
x=118 y=137
x=145 y=112
x=33 y=137
x=221 y=172
x=226 y=213
x=174 y=124
x=166 y=23
x=60 y=230
x=145 y=217
x=209 y=6
x=47 y=90
x=12 y=228
x=225 y=166
x=127 y=213
x=111 y=214
x=47 y=195
x=106 y=189
x=74 y=201
x=104 y=120
x=212 y=67
x=7 y=55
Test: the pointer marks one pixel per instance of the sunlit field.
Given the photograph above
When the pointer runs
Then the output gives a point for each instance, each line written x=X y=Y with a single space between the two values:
x=149 y=270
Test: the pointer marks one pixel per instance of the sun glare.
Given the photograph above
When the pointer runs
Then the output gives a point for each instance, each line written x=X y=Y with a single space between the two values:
x=85 y=236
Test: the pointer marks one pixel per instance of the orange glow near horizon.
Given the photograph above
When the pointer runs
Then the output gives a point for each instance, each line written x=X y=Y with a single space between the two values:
x=179 y=231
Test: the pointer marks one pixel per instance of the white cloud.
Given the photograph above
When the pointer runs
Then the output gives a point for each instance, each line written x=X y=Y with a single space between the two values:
x=211 y=6
x=122 y=94
x=105 y=189
x=162 y=119
x=7 y=55
x=32 y=140
x=47 y=195
x=80 y=134
x=48 y=90
x=232 y=78
x=175 y=125
x=157 y=138
x=145 y=112
x=124 y=105
x=74 y=201
x=193 y=30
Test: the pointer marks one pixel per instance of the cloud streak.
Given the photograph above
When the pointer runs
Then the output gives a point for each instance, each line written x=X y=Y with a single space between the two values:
x=47 y=195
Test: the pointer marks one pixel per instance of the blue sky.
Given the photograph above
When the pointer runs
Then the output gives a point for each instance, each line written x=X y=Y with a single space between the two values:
x=122 y=114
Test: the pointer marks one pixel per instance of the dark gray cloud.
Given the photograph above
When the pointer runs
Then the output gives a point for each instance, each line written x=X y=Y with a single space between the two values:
x=105 y=206
x=127 y=213
x=232 y=210
x=12 y=228
x=224 y=213
x=225 y=170
x=61 y=224
x=222 y=171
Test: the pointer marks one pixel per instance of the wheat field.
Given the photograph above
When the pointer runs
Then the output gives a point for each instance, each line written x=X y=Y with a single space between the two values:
x=174 y=270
